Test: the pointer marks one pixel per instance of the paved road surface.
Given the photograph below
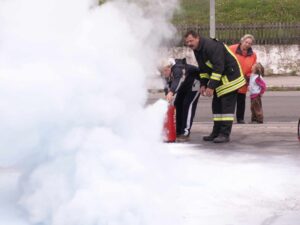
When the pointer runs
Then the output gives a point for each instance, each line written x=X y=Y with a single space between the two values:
x=277 y=135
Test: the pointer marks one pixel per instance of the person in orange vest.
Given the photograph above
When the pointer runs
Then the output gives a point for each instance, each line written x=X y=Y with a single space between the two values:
x=246 y=58
x=182 y=86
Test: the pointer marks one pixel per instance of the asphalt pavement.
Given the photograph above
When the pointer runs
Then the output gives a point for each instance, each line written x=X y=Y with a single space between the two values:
x=278 y=133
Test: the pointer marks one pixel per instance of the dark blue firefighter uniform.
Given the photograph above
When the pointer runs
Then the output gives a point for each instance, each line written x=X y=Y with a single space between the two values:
x=220 y=71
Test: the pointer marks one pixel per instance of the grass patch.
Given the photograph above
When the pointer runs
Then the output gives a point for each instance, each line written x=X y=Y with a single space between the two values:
x=239 y=11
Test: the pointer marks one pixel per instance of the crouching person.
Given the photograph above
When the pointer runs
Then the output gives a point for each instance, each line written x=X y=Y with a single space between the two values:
x=182 y=88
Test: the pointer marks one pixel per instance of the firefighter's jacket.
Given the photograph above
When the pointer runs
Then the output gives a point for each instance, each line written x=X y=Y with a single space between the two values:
x=219 y=68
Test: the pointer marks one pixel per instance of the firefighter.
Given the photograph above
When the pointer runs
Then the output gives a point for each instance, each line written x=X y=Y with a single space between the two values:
x=221 y=77
x=182 y=88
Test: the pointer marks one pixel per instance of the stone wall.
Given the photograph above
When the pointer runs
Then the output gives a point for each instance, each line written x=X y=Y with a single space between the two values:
x=277 y=59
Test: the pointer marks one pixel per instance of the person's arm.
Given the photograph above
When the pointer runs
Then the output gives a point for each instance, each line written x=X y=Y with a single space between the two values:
x=166 y=86
x=260 y=82
x=216 y=57
x=204 y=78
x=177 y=78
x=170 y=96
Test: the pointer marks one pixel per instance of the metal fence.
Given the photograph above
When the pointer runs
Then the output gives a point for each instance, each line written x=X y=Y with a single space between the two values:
x=273 y=33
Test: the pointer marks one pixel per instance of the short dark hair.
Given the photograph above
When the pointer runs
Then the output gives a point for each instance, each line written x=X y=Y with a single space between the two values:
x=191 y=32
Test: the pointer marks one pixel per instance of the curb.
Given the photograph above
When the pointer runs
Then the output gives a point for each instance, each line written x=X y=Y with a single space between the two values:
x=269 y=88
x=283 y=88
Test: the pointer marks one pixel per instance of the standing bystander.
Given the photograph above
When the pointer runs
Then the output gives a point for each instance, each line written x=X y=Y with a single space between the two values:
x=257 y=87
x=247 y=58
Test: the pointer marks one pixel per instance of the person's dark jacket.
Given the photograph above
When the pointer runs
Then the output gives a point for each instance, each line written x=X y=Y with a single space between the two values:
x=219 y=68
x=182 y=76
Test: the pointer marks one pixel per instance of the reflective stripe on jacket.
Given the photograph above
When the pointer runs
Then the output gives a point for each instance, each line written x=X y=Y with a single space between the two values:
x=219 y=68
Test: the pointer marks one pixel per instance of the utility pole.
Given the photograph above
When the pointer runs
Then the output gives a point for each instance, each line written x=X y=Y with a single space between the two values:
x=212 y=20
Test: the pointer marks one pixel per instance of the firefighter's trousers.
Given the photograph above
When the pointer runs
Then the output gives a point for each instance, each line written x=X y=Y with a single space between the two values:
x=223 y=108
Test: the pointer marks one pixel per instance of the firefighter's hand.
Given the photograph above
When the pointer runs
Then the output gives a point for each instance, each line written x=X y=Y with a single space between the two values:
x=209 y=92
x=202 y=90
x=169 y=96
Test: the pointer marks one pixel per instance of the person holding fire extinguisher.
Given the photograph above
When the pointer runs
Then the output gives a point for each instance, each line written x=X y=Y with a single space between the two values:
x=182 y=85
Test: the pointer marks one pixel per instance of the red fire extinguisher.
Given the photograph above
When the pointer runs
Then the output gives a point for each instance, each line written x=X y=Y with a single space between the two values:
x=170 y=125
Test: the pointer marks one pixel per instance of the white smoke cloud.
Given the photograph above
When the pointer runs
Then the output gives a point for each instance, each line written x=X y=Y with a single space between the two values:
x=77 y=145
x=73 y=122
